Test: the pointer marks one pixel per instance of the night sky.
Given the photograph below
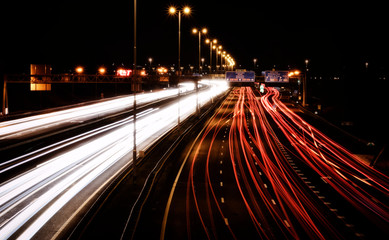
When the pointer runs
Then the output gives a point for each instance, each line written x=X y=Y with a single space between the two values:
x=94 y=33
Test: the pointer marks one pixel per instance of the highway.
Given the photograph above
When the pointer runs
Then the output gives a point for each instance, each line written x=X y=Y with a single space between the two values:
x=254 y=168
x=258 y=170
x=43 y=190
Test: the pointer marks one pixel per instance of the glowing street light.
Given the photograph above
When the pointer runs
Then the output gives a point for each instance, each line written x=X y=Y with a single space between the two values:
x=202 y=31
x=102 y=70
x=172 y=10
x=211 y=46
x=79 y=70
x=218 y=51
x=294 y=73
x=186 y=11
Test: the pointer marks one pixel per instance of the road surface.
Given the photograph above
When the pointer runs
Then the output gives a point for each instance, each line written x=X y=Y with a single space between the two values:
x=257 y=170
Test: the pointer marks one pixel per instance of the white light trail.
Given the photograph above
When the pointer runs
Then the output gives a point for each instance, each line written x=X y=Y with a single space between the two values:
x=30 y=199
x=28 y=125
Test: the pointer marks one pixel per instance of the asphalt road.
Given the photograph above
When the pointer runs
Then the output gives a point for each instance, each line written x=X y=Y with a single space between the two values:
x=259 y=170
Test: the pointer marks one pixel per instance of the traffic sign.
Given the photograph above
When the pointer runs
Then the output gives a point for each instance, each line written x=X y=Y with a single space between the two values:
x=240 y=76
x=277 y=76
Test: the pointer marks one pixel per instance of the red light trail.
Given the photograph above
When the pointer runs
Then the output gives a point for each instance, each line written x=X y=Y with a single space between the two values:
x=277 y=196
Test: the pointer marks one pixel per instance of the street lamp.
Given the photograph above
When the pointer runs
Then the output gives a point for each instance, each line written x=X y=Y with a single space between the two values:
x=218 y=51
x=223 y=55
x=211 y=46
x=79 y=70
x=186 y=11
x=102 y=70
x=203 y=31
x=305 y=83
x=150 y=61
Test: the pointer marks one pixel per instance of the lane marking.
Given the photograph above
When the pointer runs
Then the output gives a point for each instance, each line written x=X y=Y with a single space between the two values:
x=169 y=201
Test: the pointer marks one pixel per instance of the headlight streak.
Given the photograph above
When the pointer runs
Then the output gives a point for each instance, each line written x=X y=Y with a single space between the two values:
x=265 y=177
x=15 y=162
x=16 y=128
x=32 y=198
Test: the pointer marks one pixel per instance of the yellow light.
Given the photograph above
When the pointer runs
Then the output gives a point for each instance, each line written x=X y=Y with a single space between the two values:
x=172 y=10
x=207 y=41
x=162 y=70
x=204 y=31
x=79 y=69
x=194 y=30
x=186 y=10
x=102 y=70
x=214 y=41
x=297 y=72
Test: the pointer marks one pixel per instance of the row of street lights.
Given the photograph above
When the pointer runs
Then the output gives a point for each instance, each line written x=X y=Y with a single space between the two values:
x=228 y=60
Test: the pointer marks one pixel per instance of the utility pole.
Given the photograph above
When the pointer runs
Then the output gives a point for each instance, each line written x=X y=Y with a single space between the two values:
x=134 y=80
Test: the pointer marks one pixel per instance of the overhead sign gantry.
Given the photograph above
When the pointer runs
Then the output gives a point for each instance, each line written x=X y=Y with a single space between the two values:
x=240 y=76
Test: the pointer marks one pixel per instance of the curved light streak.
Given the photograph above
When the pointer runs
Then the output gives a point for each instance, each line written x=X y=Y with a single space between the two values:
x=31 y=198
x=278 y=201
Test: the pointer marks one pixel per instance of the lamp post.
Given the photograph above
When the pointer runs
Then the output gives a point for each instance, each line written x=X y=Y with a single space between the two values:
x=173 y=11
x=202 y=31
x=134 y=79
x=305 y=83
x=223 y=55
x=150 y=61
x=208 y=41
x=218 y=51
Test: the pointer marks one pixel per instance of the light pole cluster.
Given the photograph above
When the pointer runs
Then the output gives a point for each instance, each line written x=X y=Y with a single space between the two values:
x=229 y=62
